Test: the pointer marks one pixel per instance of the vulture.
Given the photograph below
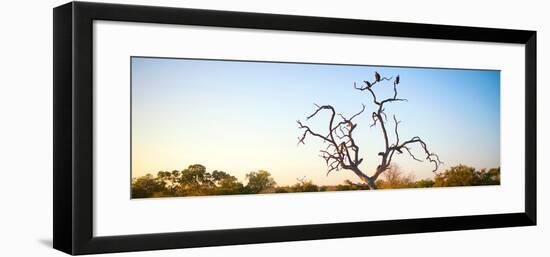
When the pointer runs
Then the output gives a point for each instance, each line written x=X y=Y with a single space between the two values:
x=368 y=84
x=397 y=80
x=377 y=76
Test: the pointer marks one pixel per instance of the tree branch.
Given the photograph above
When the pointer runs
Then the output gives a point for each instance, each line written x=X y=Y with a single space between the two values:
x=378 y=119
x=342 y=151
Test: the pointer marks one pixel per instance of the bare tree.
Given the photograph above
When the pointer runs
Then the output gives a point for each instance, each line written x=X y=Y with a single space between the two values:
x=343 y=153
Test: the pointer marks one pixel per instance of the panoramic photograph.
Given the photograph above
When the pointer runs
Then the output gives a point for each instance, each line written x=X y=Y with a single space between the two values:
x=204 y=127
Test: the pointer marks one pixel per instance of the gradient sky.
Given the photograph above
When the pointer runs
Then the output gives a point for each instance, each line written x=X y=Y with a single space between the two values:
x=241 y=116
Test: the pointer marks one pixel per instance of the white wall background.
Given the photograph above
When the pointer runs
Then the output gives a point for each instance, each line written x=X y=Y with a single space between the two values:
x=26 y=128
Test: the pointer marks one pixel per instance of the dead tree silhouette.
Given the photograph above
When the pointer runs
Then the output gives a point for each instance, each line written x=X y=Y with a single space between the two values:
x=342 y=151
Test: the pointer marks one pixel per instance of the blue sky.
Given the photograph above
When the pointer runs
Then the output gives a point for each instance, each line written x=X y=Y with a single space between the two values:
x=241 y=116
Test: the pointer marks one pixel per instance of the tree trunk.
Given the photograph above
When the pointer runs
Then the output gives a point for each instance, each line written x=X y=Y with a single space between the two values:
x=366 y=179
x=371 y=184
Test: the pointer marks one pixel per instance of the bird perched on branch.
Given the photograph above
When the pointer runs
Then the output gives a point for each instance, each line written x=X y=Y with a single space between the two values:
x=397 y=80
x=368 y=84
x=377 y=76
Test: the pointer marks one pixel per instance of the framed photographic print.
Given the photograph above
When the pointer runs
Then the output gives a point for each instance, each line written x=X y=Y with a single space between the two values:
x=256 y=128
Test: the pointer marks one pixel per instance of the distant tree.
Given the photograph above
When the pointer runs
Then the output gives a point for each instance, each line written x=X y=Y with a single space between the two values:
x=169 y=181
x=146 y=186
x=258 y=181
x=424 y=183
x=463 y=175
x=195 y=181
x=490 y=177
x=342 y=152
x=394 y=178
x=457 y=176
x=218 y=176
x=226 y=184
x=304 y=185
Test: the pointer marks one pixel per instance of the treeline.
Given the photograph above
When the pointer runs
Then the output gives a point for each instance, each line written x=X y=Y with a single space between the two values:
x=196 y=181
x=460 y=175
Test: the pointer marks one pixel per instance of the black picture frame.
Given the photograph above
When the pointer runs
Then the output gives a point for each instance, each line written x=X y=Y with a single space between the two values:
x=73 y=127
